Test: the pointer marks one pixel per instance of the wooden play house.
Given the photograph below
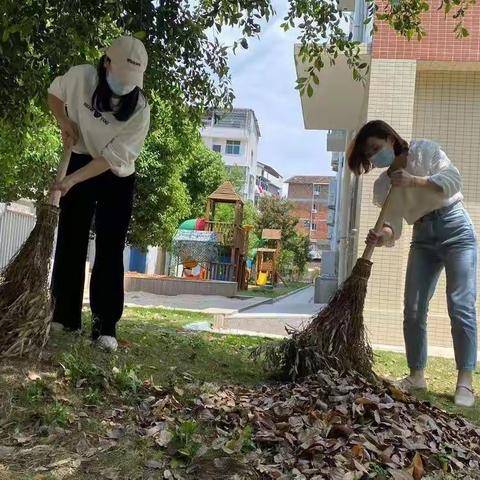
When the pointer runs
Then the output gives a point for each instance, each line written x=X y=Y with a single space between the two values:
x=268 y=258
x=232 y=237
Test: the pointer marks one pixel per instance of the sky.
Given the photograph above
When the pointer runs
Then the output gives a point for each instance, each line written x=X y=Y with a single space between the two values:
x=263 y=79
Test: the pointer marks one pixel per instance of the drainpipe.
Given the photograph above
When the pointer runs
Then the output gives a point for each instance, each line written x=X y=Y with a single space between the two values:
x=337 y=206
x=344 y=215
x=349 y=196
x=354 y=222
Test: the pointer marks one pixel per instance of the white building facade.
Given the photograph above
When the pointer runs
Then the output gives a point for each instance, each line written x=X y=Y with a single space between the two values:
x=235 y=135
x=269 y=181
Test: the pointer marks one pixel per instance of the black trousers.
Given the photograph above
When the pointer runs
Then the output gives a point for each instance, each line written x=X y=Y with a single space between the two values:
x=109 y=199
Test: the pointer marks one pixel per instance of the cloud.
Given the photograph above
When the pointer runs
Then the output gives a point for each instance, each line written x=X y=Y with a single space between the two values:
x=264 y=79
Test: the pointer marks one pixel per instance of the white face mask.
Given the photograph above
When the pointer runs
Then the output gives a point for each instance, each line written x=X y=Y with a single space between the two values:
x=117 y=87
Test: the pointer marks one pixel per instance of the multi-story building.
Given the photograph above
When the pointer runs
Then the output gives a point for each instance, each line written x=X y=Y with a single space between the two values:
x=427 y=89
x=309 y=195
x=235 y=135
x=269 y=181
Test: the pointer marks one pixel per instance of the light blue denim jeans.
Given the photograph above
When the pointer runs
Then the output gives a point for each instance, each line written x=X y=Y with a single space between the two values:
x=446 y=239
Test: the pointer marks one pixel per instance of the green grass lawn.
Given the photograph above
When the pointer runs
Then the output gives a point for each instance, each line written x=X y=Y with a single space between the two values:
x=441 y=377
x=272 y=292
x=78 y=397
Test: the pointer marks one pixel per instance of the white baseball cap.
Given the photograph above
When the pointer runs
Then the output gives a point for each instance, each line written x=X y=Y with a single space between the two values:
x=128 y=60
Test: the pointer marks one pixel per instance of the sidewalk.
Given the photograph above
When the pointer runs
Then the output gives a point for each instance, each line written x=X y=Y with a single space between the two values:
x=212 y=304
x=271 y=318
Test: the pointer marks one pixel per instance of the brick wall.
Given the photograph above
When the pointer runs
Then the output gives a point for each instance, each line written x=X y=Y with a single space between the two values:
x=440 y=43
x=301 y=195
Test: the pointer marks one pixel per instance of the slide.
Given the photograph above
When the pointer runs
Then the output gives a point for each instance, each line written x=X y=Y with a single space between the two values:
x=262 y=279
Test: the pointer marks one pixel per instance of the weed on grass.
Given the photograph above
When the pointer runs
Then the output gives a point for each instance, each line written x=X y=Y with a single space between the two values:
x=126 y=380
x=37 y=391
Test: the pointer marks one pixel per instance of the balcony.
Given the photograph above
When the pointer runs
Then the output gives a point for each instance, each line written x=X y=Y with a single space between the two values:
x=331 y=218
x=336 y=140
x=335 y=161
x=338 y=102
x=332 y=195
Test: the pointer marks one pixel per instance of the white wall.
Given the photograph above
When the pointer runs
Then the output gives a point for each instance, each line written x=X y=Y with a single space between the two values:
x=248 y=150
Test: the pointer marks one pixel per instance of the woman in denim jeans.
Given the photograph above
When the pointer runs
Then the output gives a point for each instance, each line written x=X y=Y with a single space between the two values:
x=428 y=195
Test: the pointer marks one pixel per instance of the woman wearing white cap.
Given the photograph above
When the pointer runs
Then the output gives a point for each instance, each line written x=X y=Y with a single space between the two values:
x=103 y=112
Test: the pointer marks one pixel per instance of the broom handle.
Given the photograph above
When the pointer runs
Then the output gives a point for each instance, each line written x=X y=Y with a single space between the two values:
x=368 y=252
x=55 y=195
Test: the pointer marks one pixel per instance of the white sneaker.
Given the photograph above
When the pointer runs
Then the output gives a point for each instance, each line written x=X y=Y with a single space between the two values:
x=107 y=343
x=464 y=396
x=56 y=327
x=411 y=384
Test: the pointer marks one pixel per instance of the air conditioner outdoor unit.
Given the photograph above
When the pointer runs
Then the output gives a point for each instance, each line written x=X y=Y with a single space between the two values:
x=346 y=5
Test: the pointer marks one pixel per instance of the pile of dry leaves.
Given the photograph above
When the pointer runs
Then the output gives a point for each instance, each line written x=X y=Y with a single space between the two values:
x=323 y=428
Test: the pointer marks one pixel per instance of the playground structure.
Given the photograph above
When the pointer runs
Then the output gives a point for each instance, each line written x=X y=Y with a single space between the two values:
x=207 y=249
x=268 y=258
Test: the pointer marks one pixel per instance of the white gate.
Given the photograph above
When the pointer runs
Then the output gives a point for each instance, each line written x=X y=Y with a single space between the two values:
x=16 y=223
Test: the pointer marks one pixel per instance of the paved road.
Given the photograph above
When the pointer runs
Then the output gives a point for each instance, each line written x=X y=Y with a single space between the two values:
x=271 y=319
x=298 y=303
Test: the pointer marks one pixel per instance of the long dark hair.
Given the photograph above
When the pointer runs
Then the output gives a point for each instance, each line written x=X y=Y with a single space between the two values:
x=102 y=96
x=356 y=157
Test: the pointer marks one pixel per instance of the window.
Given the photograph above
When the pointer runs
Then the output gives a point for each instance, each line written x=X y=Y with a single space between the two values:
x=314 y=208
x=314 y=226
x=233 y=147
x=217 y=148
x=207 y=121
x=321 y=189
x=306 y=223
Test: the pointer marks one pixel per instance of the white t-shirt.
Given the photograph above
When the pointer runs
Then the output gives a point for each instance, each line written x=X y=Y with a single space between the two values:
x=101 y=134
x=425 y=159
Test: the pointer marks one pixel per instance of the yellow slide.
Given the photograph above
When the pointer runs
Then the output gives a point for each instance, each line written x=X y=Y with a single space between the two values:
x=262 y=279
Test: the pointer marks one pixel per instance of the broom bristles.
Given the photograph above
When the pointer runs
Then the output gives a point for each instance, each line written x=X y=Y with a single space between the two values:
x=334 y=338
x=25 y=303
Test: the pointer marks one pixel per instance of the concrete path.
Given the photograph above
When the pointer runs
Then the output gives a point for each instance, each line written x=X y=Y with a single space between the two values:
x=298 y=303
x=271 y=318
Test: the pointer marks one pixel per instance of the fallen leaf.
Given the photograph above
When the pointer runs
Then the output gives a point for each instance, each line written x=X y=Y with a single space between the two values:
x=80 y=383
x=22 y=438
x=33 y=376
x=178 y=391
x=417 y=465
x=110 y=473
x=61 y=463
x=400 y=475
x=116 y=433
x=5 y=451
x=150 y=432
x=82 y=446
x=359 y=466
x=398 y=394
x=153 y=464
x=163 y=439
x=357 y=451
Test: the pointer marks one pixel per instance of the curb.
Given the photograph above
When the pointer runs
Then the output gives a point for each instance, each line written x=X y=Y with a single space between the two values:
x=276 y=299
x=293 y=292
x=261 y=302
